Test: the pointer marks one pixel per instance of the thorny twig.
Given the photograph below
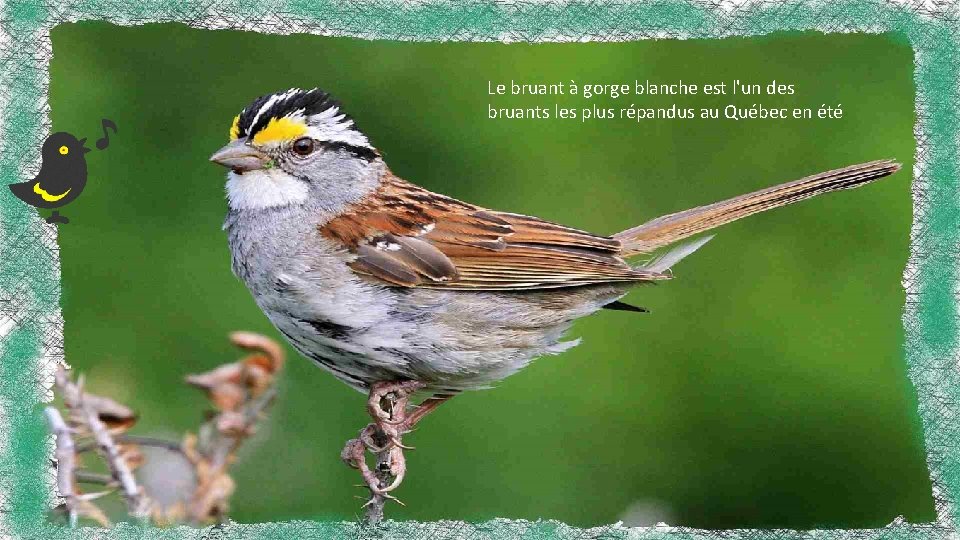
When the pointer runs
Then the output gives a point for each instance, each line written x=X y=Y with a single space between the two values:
x=75 y=503
x=383 y=471
x=139 y=440
x=379 y=478
x=95 y=416
x=172 y=446
x=138 y=505
x=65 y=455
x=240 y=391
x=89 y=412
x=87 y=477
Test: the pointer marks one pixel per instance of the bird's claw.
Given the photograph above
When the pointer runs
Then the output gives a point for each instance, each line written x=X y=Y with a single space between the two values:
x=354 y=455
x=395 y=441
x=398 y=469
x=369 y=436
x=386 y=496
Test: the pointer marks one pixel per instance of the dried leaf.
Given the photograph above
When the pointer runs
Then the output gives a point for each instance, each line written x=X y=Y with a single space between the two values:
x=227 y=373
x=263 y=344
x=116 y=416
x=132 y=454
x=258 y=377
x=211 y=499
x=227 y=396
x=87 y=509
x=166 y=517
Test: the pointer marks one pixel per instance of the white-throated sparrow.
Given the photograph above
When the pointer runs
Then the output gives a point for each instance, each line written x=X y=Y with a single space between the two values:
x=393 y=288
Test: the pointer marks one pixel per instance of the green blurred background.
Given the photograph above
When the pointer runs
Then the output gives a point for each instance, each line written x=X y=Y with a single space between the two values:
x=767 y=388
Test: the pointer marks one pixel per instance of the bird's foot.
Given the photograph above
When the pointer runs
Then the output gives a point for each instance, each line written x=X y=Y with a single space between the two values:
x=354 y=455
x=391 y=463
x=57 y=218
x=388 y=401
x=388 y=407
x=392 y=418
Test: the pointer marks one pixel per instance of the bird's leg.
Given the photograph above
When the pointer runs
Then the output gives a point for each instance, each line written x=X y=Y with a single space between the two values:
x=388 y=407
x=55 y=217
x=419 y=412
x=386 y=443
x=395 y=420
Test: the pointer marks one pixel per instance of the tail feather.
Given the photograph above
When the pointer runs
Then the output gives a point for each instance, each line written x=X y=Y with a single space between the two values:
x=664 y=262
x=671 y=228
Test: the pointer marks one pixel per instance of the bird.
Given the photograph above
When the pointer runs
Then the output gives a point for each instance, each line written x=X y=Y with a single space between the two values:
x=397 y=290
x=62 y=177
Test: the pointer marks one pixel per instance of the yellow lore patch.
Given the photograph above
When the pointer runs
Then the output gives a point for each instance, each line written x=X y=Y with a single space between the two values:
x=280 y=129
x=235 y=128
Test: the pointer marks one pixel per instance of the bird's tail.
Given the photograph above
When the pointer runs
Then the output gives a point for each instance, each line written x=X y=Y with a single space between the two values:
x=671 y=228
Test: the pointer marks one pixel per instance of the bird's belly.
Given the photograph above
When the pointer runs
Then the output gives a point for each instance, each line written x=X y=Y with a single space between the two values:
x=474 y=339
x=452 y=340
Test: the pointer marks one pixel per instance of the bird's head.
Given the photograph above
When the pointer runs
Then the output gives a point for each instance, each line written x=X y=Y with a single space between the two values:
x=63 y=146
x=295 y=145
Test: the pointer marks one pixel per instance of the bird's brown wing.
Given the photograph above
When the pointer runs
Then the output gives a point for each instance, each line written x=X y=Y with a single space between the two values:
x=405 y=235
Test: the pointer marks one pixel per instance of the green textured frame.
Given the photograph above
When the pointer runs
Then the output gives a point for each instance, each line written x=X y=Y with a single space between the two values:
x=31 y=324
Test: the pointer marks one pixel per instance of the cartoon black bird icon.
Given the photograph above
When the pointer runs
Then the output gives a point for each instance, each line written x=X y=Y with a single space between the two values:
x=63 y=175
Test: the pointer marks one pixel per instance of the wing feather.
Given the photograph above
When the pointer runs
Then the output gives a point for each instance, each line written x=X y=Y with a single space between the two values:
x=410 y=237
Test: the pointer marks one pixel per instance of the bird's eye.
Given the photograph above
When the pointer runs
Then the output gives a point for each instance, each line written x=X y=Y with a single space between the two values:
x=64 y=150
x=303 y=146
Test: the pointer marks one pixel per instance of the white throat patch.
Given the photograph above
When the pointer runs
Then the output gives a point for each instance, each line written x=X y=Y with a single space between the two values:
x=270 y=188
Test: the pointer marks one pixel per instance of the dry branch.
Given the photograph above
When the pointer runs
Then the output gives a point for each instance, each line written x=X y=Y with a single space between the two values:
x=87 y=477
x=90 y=413
x=240 y=393
x=137 y=503
x=65 y=454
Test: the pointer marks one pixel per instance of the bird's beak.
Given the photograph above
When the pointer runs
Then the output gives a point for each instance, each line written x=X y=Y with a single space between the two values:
x=83 y=145
x=240 y=157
